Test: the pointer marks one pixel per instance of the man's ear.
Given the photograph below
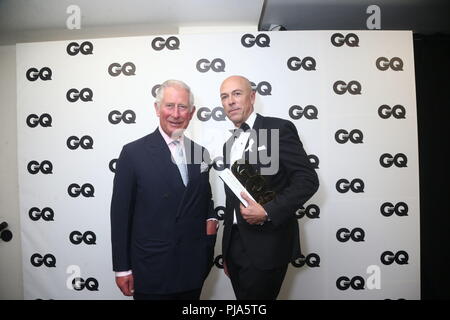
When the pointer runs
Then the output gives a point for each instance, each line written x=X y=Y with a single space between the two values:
x=192 y=112
x=253 y=96
x=156 y=109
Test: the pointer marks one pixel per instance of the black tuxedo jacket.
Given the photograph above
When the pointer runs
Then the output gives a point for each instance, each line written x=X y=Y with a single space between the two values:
x=158 y=225
x=276 y=242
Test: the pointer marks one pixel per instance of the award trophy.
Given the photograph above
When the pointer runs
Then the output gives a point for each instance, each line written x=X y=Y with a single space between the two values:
x=254 y=183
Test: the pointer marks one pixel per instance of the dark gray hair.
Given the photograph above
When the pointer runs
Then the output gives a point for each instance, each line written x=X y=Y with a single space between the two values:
x=173 y=84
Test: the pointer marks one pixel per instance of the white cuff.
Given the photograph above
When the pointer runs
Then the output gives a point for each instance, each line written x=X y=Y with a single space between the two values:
x=123 y=273
x=215 y=220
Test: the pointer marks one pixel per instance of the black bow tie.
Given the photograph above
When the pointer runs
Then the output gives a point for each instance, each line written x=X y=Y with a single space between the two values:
x=237 y=132
x=244 y=126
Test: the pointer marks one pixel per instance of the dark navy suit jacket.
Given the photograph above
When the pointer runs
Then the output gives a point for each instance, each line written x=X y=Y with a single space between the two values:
x=158 y=225
x=276 y=242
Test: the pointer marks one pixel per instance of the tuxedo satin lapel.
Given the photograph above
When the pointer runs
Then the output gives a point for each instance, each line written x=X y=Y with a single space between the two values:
x=227 y=151
x=258 y=122
x=253 y=143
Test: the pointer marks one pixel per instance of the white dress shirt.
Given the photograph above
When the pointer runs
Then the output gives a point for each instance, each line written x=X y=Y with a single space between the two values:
x=238 y=147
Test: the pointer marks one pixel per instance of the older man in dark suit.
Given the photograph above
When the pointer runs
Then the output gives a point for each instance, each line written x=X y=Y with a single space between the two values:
x=162 y=237
x=261 y=239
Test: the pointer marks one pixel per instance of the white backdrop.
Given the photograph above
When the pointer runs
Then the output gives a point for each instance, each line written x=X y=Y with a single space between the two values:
x=360 y=237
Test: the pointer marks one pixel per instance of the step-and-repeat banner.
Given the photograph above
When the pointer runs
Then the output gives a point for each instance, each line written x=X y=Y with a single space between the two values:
x=351 y=95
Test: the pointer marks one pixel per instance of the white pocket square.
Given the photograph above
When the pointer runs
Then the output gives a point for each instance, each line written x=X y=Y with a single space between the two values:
x=262 y=148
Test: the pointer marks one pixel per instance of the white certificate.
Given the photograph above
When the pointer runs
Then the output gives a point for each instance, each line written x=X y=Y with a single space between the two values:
x=233 y=183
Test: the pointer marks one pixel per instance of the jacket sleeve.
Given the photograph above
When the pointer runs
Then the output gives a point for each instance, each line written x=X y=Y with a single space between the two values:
x=122 y=208
x=302 y=178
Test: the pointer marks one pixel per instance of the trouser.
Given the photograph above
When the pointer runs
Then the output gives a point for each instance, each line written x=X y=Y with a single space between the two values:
x=249 y=282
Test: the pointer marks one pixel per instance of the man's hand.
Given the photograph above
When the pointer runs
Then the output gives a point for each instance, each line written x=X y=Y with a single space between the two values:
x=126 y=284
x=254 y=213
x=211 y=227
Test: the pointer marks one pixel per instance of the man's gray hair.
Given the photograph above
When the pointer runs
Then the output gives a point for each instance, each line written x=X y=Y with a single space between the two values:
x=173 y=84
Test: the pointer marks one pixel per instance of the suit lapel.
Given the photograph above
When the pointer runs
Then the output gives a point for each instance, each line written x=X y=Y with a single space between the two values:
x=258 y=122
x=193 y=166
x=257 y=125
x=163 y=160
x=227 y=150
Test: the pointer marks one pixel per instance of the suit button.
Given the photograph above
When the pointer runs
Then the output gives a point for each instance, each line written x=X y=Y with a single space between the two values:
x=166 y=196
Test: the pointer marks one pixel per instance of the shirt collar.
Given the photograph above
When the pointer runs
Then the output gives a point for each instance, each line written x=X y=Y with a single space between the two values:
x=168 y=139
x=250 y=120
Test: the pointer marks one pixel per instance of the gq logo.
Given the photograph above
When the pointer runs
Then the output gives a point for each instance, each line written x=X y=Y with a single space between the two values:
x=87 y=190
x=358 y=282
x=314 y=160
x=387 y=209
x=45 y=74
x=217 y=65
x=172 y=43
x=263 y=88
x=310 y=112
x=351 y=40
x=74 y=281
x=312 y=260
x=85 y=48
x=355 y=136
x=388 y=258
x=85 y=95
x=45 y=167
x=344 y=234
x=44 y=120
x=155 y=90
x=47 y=214
x=85 y=142
x=128 y=117
x=312 y=211
x=204 y=114
x=218 y=163
x=397 y=111
x=395 y=64
x=38 y=260
x=128 y=69
x=307 y=63
x=399 y=160
x=112 y=165
x=218 y=261
x=356 y=185
x=262 y=40
x=220 y=212
x=353 y=87
x=76 y=237
x=90 y=284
